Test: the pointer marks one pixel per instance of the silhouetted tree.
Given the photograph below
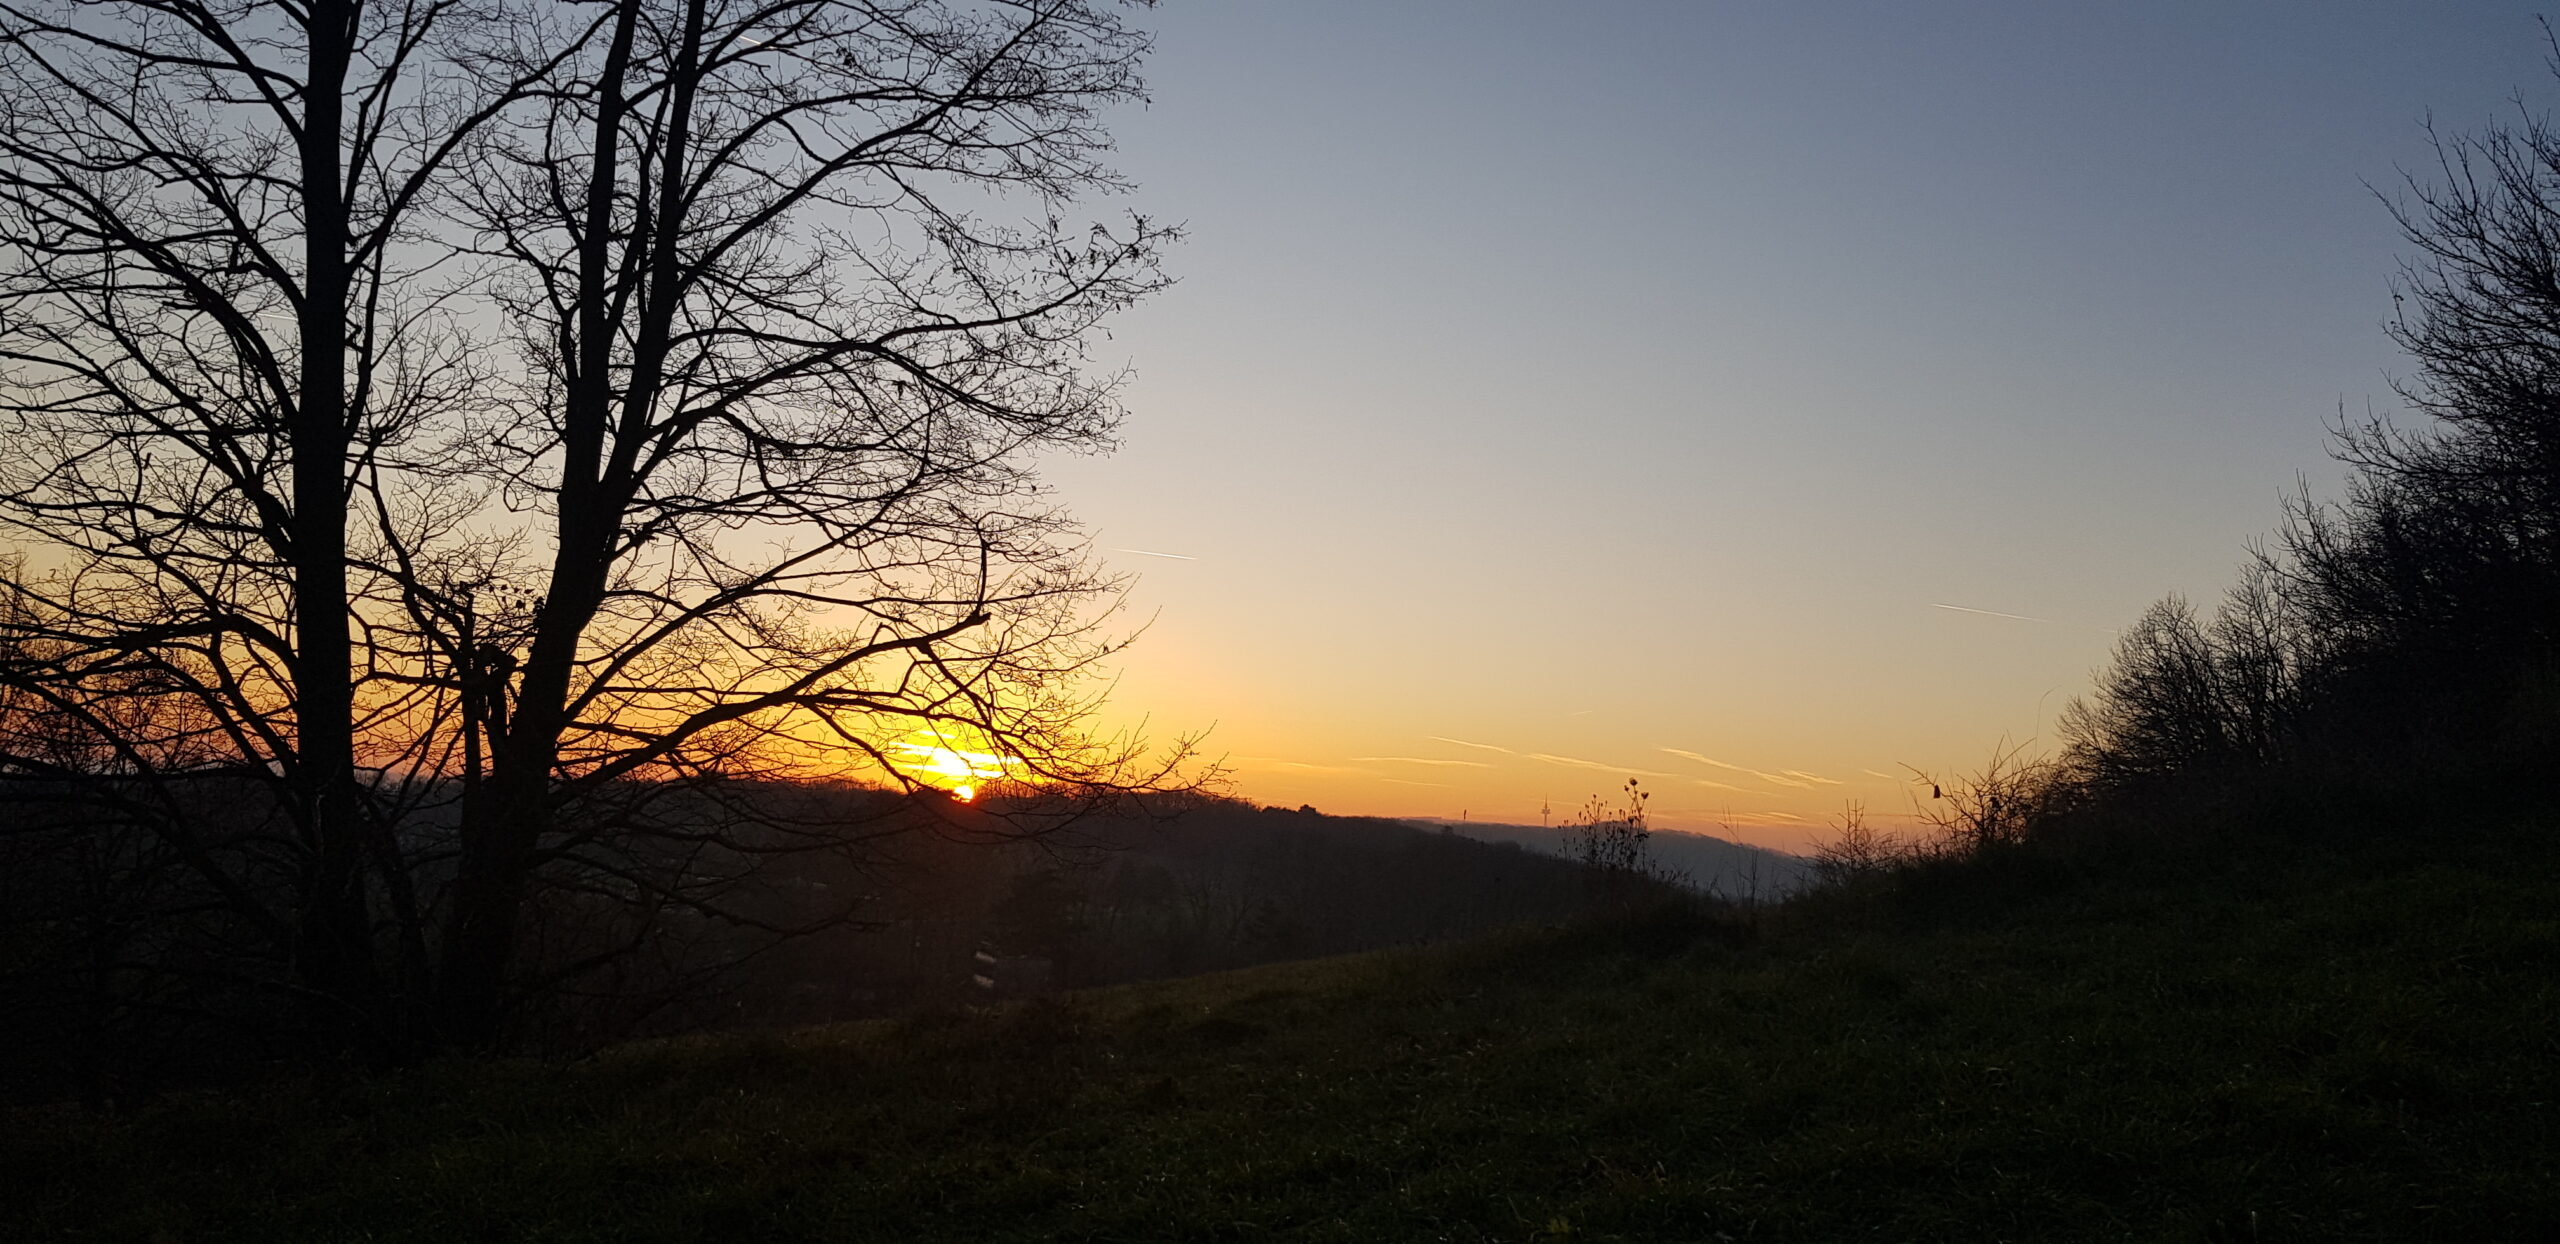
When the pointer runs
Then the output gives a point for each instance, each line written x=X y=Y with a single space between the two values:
x=212 y=324
x=2261 y=653
x=2157 y=708
x=2420 y=609
x=2181 y=694
x=2450 y=536
x=780 y=370
x=465 y=441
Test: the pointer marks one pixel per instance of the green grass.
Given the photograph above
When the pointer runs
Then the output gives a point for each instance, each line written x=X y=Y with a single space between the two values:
x=2368 y=1056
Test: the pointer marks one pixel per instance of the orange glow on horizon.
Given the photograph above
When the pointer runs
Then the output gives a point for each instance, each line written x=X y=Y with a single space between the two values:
x=955 y=771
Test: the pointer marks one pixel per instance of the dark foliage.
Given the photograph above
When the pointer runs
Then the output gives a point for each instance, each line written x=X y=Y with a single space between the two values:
x=2387 y=658
x=2412 y=626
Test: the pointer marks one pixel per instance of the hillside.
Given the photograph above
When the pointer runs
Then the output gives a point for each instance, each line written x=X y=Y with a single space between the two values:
x=1217 y=885
x=2328 y=1052
x=888 y=925
x=1713 y=865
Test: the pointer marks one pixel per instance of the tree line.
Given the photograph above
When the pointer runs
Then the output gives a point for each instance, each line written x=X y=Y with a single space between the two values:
x=2401 y=638
x=2413 y=620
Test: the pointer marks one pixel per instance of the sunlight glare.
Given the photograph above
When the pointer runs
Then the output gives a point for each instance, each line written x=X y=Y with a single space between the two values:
x=955 y=771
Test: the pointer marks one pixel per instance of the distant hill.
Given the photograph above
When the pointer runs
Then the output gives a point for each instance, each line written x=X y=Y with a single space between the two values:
x=1717 y=866
x=1210 y=885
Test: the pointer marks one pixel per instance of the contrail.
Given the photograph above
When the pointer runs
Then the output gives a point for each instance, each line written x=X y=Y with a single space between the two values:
x=1442 y=738
x=1180 y=557
x=1989 y=613
x=1706 y=760
x=1576 y=762
x=1796 y=778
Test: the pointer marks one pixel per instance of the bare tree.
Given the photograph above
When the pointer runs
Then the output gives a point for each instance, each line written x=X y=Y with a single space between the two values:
x=2158 y=707
x=2480 y=313
x=2451 y=530
x=209 y=321
x=577 y=415
x=780 y=372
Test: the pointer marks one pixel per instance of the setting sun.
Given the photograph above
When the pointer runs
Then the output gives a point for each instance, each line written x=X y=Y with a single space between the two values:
x=955 y=771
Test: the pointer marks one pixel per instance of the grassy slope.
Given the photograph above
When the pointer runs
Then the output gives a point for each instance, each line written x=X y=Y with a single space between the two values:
x=2323 y=1058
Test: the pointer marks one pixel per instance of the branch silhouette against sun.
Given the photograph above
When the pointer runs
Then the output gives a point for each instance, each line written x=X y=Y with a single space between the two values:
x=514 y=436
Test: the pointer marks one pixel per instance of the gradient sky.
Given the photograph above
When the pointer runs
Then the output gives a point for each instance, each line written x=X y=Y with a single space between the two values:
x=1589 y=380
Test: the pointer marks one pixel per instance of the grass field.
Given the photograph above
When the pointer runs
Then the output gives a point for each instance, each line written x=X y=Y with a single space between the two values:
x=2318 y=1054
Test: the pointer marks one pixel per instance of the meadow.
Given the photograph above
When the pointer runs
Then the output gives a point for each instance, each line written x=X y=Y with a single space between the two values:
x=2285 y=1045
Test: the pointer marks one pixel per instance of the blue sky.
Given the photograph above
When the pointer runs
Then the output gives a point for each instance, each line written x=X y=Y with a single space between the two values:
x=1588 y=380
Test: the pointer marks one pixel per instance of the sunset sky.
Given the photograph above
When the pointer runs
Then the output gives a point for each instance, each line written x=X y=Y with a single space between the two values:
x=1752 y=399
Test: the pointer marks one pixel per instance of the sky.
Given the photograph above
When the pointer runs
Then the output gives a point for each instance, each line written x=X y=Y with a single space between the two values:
x=1763 y=401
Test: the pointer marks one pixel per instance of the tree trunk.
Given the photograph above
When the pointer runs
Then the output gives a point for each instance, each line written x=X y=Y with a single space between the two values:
x=334 y=932
x=499 y=843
